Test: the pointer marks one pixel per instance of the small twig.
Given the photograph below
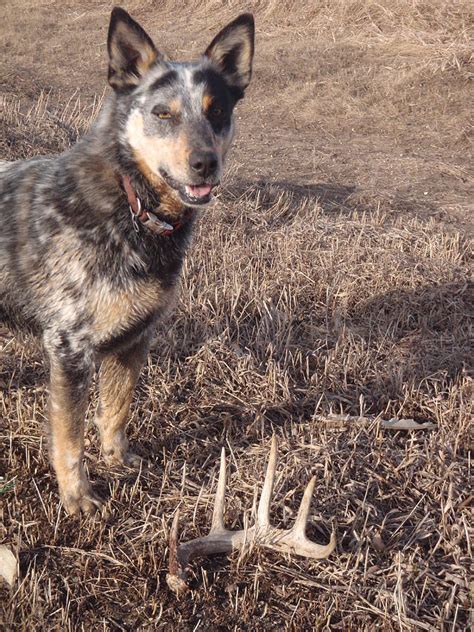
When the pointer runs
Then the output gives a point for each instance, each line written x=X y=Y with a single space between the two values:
x=336 y=422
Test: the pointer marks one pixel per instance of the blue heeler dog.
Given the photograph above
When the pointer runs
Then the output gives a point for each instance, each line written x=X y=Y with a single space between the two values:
x=93 y=240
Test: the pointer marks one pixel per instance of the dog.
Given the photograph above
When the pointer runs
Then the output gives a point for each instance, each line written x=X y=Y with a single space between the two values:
x=93 y=240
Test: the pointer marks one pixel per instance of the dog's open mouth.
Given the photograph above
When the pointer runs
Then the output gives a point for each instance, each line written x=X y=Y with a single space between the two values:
x=195 y=194
x=198 y=191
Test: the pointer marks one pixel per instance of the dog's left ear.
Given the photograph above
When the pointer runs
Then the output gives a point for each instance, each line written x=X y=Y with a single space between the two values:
x=232 y=52
x=131 y=51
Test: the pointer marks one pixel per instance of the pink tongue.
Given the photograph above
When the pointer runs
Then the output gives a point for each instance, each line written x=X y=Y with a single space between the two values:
x=199 y=191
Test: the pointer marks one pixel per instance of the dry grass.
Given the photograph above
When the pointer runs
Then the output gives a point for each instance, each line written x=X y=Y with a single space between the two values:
x=297 y=301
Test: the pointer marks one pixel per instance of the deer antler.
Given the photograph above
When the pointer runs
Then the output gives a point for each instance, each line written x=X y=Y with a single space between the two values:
x=220 y=540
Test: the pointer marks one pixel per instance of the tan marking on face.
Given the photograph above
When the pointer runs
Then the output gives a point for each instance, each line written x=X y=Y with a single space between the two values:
x=169 y=153
x=175 y=106
x=206 y=102
x=170 y=202
x=152 y=153
x=183 y=150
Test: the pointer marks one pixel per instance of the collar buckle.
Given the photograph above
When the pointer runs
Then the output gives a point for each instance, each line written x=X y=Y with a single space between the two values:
x=135 y=214
x=156 y=225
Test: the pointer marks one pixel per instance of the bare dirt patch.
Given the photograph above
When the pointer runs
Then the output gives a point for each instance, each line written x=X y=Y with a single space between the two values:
x=333 y=275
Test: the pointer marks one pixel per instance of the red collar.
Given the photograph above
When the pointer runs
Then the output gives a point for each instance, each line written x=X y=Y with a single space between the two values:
x=147 y=218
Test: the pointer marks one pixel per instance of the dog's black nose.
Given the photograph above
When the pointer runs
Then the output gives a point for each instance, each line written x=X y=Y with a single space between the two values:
x=204 y=163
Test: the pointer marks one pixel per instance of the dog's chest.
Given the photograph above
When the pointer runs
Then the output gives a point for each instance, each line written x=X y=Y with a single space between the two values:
x=118 y=313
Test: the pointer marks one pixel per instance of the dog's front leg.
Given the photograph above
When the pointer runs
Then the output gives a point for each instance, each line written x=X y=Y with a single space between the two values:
x=118 y=375
x=70 y=374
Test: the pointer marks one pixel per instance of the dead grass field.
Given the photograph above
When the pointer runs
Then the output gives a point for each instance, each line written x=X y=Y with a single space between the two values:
x=333 y=275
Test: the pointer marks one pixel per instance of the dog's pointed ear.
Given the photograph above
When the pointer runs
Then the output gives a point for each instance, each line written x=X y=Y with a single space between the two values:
x=231 y=51
x=131 y=51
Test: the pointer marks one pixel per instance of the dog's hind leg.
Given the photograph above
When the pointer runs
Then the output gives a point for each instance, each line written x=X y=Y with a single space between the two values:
x=69 y=383
x=118 y=376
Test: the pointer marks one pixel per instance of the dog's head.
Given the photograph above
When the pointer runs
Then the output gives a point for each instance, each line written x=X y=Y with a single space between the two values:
x=177 y=117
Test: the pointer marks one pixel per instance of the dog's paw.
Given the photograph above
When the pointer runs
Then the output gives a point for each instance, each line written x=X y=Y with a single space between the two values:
x=124 y=458
x=115 y=448
x=86 y=502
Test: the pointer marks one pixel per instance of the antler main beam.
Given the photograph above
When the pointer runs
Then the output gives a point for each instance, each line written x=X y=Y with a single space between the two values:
x=221 y=540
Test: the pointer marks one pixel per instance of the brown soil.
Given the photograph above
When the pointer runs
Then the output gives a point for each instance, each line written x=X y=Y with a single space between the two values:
x=333 y=275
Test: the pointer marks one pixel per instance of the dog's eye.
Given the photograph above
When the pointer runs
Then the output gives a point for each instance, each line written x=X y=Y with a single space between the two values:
x=216 y=112
x=163 y=114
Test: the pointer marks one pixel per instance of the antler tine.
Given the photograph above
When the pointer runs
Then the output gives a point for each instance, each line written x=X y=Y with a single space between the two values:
x=263 y=512
x=175 y=577
x=302 y=518
x=295 y=539
x=217 y=523
x=173 y=544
